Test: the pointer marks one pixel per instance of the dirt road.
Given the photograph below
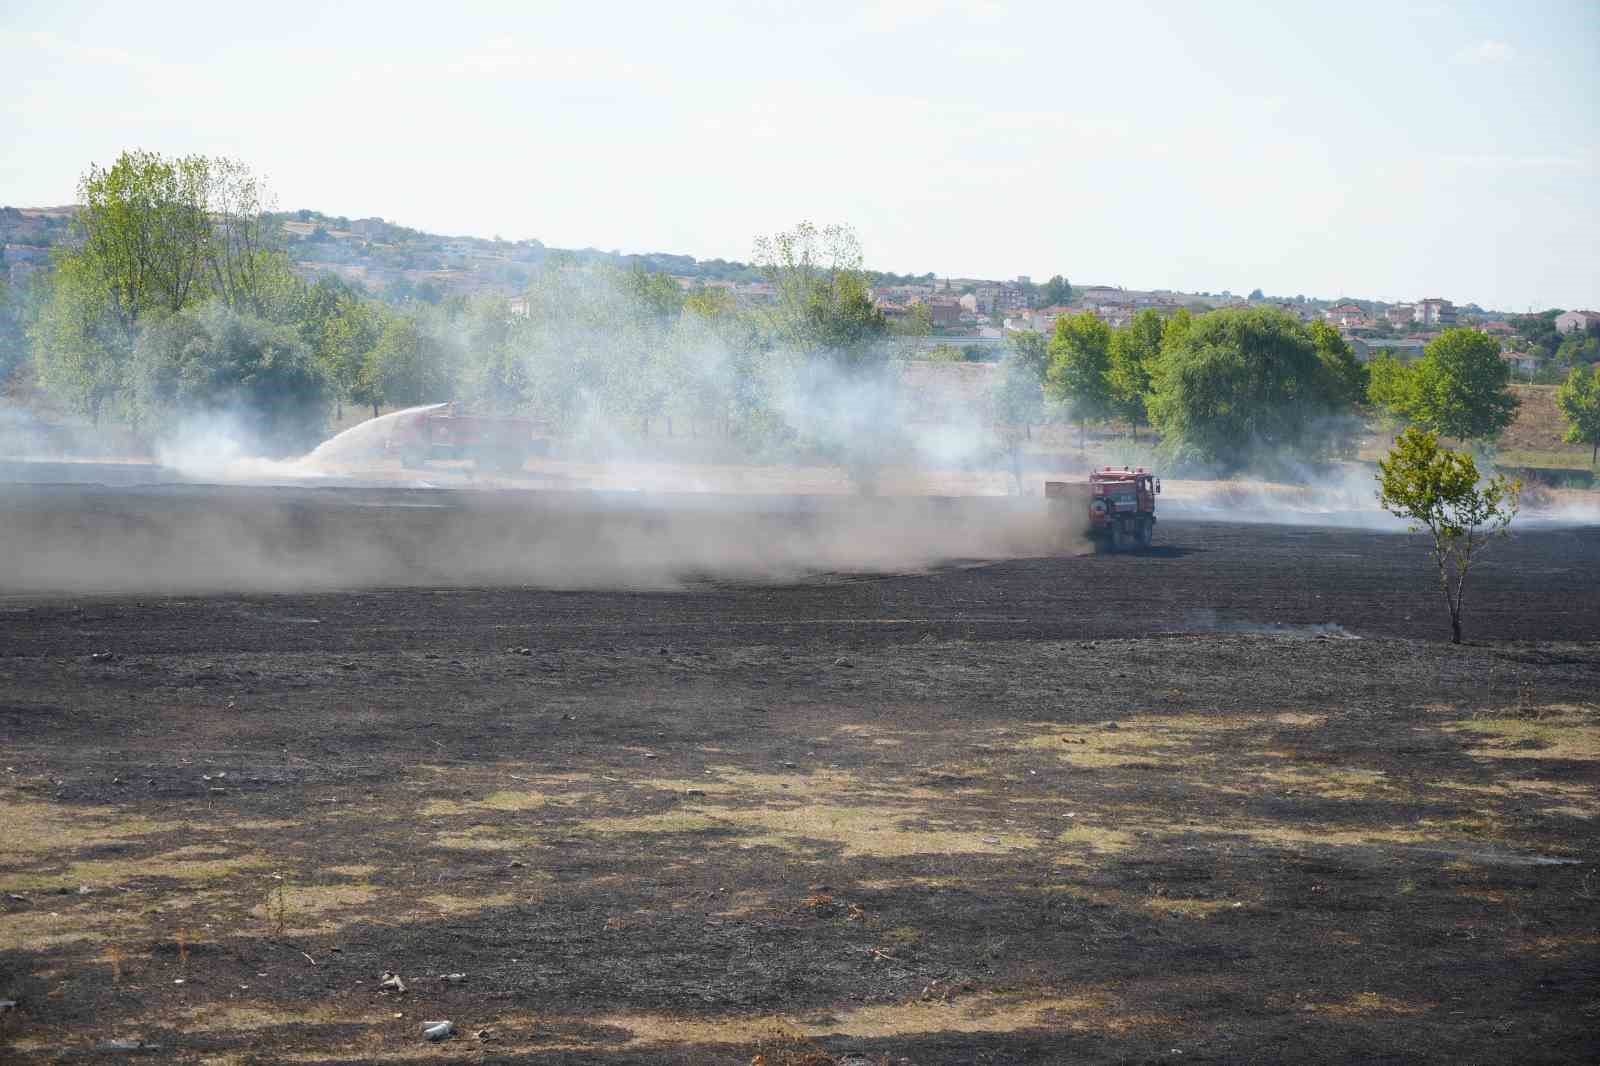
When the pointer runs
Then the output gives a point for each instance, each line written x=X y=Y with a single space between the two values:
x=1234 y=800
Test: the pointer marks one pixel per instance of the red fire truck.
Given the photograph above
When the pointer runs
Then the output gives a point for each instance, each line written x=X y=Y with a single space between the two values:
x=1121 y=506
x=449 y=431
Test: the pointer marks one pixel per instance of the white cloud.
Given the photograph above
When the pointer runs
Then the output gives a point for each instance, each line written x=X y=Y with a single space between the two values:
x=1486 y=52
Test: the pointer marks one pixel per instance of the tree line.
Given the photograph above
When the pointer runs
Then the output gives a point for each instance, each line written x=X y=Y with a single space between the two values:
x=178 y=296
x=1259 y=389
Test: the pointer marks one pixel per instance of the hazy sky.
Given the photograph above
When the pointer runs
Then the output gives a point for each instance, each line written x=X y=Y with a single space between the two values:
x=1388 y=150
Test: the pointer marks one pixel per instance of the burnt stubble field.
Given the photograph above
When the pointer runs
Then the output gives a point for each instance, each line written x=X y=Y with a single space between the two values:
x=1233 y=800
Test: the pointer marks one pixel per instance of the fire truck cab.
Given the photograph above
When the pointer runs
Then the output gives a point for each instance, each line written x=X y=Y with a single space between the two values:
x=1122 y=508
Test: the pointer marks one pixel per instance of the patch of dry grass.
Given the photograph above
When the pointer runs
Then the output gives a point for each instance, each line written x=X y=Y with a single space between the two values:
x=1367 y=1004
x=447 y=904
x=34 y=828
x=856 y=831
x=487 y=838
x=301 y=910
x=1556 y=732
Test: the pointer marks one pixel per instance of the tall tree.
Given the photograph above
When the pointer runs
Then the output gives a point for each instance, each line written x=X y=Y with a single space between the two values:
x=1461 y=387
x=1080 y=368
x=1245 y=388
x=407 y=366
x=1134 y=351
x=824 y=305
x=1016 y=401
x=213 y=360
x=245 y=260
x=1579 y=400
x=1348 y=379
x=1057 y=292
x=14 y=347
x=146 y=231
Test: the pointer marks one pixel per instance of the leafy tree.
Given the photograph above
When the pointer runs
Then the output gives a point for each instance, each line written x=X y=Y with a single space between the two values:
x=213 y=360
x=824 y=305
x=1255 y=294
x=655 y=294
x=1538 y=329
x=1056 y=292
x=1243 y=388
x=246 y=265
x=1134 y=351
x=349 y=334
x=1080 y=368
x=1032 y=350
x=81 y=342
x=14 y=346
x=1578 y=349
x=407 y=366
x=1440 y=491
x=1460 y=388
x=1349 y=379
x=917 y=323
x=1579 y=400
x=1017 y=401
x=146 y=232
x=1390 y=385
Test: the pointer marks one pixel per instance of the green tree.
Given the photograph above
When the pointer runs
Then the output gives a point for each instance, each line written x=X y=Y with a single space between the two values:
x=1134 y=351
x=1243 y=388
x=213 y=360
x=1031 y=350
x=81 y=343
x=146 y=233
x=1390 y=386
x=1579 y=400
x=1538 y=330
x=824 y=305
x=918 y=322
x=1578 y=349
x=1080 y=368
x=1017 y=401
x=247 y=268
x=1460 y=389
x=14 y=345
x=407 y=366
x=653 y=293
x=1439 y=491
x=1348 y=378
x=1057 y=292
x=349 y=334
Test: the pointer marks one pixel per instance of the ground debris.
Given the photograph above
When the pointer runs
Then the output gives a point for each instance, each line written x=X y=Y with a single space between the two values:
x=436 y=1031
x=391 y=981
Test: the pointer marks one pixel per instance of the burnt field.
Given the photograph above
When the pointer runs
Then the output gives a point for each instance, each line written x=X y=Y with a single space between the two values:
x=1231 y=800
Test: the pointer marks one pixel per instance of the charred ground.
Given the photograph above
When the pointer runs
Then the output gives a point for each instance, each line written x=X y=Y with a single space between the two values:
x=1233 y=801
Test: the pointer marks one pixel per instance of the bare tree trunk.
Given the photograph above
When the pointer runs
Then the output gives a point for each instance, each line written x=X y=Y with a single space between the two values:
x=374 y=408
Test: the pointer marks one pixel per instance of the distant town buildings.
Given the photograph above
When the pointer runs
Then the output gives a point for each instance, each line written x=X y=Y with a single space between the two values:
x=1435 y=312
x=1345 y=316
x=1577 y=321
